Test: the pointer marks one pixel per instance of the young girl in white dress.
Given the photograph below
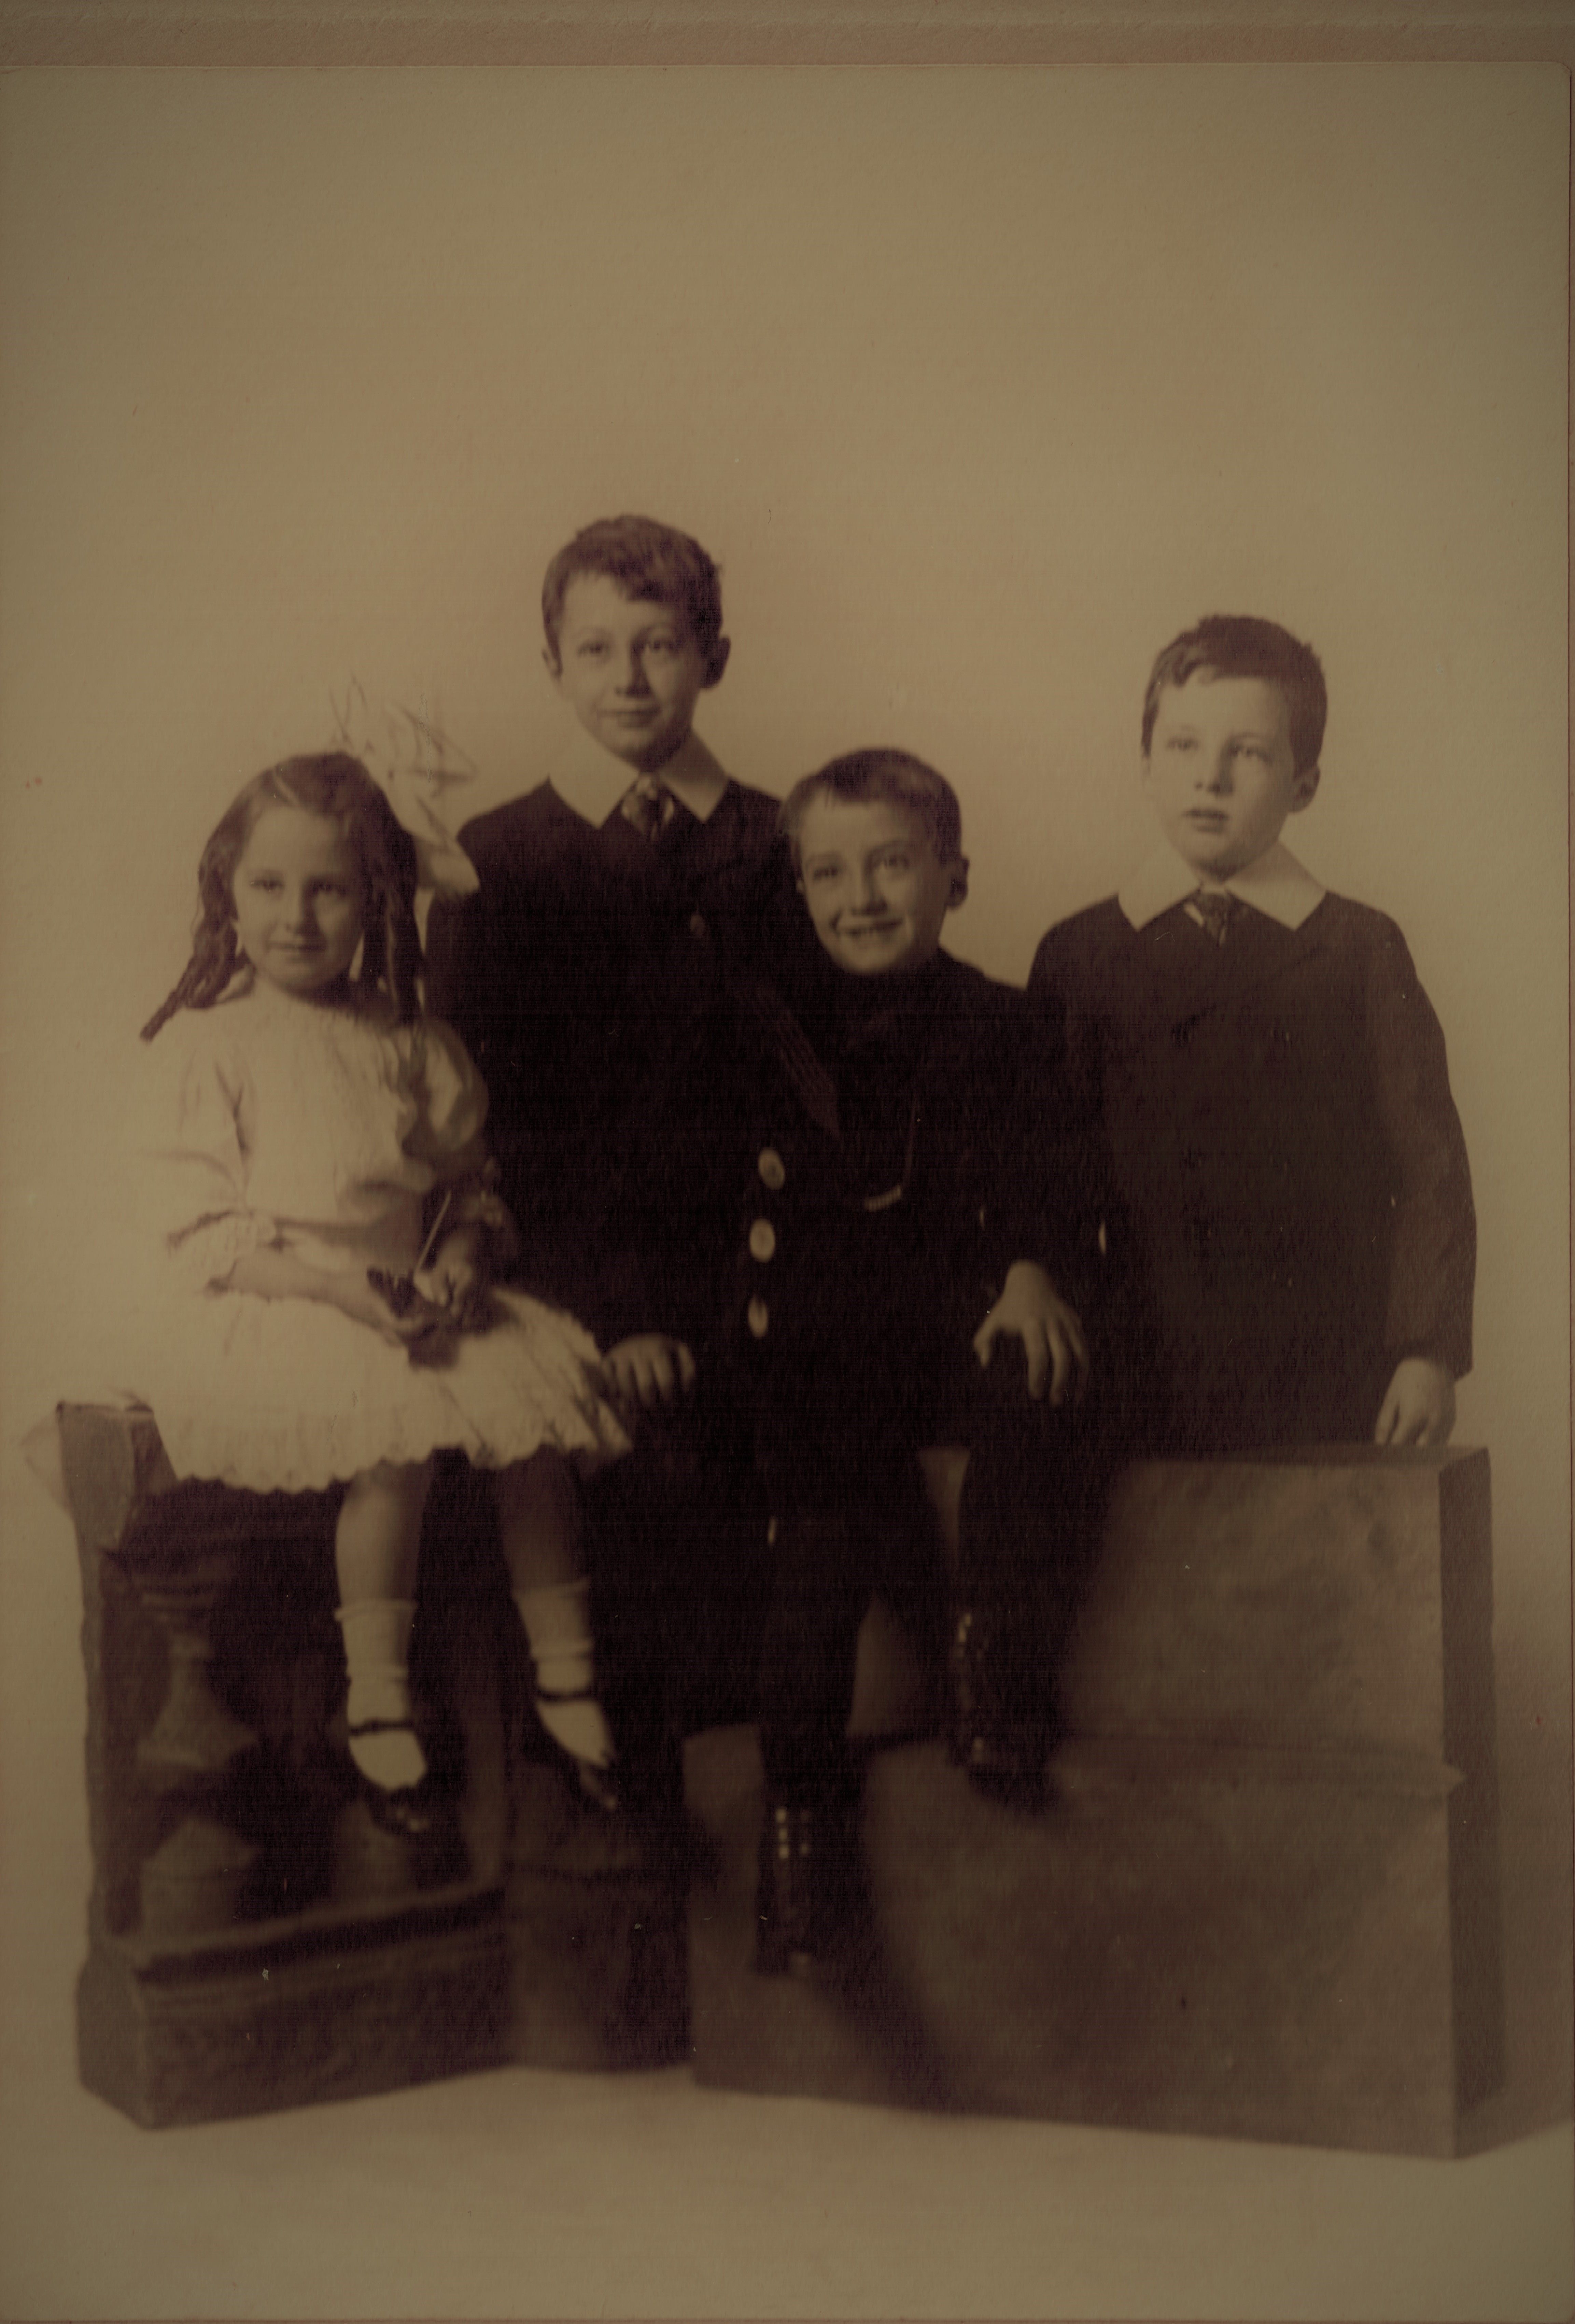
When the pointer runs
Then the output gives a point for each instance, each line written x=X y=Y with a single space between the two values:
x=317 y=1141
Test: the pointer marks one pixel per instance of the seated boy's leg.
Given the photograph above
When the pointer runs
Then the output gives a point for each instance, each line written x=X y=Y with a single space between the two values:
x=820 y=1594
x=679 y=1561
x=721 y=1584
x=808 y=1842
x=1032 y=1502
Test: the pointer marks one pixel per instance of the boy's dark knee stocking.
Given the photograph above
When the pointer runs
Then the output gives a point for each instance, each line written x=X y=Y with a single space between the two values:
x=1029 y=1519
x=810 y=1654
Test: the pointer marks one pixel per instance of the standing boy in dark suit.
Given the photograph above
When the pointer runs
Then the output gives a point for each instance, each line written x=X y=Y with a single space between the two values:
x=586 y=977
x=911 y=1224
x=1292 y=1213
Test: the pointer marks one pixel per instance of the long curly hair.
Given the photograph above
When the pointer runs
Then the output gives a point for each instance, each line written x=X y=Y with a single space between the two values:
x=333 y=785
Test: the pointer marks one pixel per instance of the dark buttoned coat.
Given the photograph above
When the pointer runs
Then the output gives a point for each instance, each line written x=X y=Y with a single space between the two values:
x=586 y=977
x=1290 y=1204
x=836 y=1267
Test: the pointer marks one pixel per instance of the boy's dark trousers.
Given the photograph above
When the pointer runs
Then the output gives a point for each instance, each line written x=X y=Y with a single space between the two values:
x=587 y=977
x=678 y=1546
x=1030 y=1513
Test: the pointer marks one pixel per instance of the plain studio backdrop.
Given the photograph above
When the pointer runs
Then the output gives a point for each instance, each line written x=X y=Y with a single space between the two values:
x=980 y=386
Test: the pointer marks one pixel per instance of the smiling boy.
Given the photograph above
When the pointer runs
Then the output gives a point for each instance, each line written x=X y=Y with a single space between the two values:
x=905 y=1266
x=1292 y=1211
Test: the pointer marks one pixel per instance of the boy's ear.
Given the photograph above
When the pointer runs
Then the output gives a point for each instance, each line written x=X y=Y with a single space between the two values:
x=717 y=663
x=1303 y=789
x=554 y=666
x=959 y=894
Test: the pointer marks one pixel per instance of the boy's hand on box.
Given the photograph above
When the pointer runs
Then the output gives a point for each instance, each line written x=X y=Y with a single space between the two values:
x=650 y=1370
x=1031 y=1309
x=1419 y=1406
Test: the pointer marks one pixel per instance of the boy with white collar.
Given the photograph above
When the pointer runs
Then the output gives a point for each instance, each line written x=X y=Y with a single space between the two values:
x=1291 y=1210
x=616 y=900
x=588 y=973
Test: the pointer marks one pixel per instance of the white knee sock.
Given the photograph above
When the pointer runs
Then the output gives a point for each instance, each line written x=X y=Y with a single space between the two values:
x=558 y=1623
x=377 y=1646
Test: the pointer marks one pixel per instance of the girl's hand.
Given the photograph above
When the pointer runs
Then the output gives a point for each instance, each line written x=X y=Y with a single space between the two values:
x=279 y=1274
x=457 y=1282
x=423 y=1326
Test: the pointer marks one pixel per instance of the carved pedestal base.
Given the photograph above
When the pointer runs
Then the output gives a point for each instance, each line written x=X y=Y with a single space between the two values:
x=295 y=2017
x=254 y=1939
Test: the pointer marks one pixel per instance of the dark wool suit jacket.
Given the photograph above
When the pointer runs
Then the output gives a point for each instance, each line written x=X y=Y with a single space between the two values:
x=1290 y=1209
x=586 y=977
x=867 y=1173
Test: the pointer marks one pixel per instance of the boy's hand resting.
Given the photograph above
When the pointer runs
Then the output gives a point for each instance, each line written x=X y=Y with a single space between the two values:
x=1418 y=1406
x=650 y=1370
x=1031 y=1309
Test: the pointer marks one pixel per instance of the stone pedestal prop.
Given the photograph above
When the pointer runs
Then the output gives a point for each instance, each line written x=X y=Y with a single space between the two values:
x=254 y=1941
x=1262 y=1900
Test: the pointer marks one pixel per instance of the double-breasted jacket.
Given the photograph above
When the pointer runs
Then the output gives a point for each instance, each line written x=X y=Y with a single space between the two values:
x=1290 y=1208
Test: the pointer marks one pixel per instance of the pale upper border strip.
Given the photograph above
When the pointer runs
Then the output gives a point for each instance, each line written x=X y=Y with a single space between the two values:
x=243 y=32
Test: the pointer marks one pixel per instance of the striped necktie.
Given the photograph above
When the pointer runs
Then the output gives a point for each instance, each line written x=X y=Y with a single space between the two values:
x=650 y=806
x=1213 y=909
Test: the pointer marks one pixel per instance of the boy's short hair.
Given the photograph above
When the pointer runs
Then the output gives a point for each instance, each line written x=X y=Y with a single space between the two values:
x=1241 y=645
x=646 y=559
x=894 y=775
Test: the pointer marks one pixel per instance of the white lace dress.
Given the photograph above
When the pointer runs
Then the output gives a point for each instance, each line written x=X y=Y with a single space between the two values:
x=278 y=1123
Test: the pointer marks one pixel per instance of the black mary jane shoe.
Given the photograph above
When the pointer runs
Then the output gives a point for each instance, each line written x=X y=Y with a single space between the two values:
x=411 y=1811
x=406 y=1810
x=599 y=1785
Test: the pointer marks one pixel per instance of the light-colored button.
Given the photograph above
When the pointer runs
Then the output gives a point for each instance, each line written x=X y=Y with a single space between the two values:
x=773 y=1170
x=698 y=927
x=763 y=1241
x=757 y=1316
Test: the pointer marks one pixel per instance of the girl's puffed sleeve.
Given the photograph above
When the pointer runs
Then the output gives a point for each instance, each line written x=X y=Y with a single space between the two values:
x=451 y=1104
x=191 y=1162
x=452 y=1112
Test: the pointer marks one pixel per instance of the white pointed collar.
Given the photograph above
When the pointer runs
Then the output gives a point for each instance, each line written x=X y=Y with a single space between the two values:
x=591 y=781
x=1275 y=883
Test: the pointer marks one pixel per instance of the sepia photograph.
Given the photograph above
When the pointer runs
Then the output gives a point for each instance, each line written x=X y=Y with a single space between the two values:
x=785 y=1301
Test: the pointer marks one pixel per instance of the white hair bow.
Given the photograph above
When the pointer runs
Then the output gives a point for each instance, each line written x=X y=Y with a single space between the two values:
x=416 y=762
